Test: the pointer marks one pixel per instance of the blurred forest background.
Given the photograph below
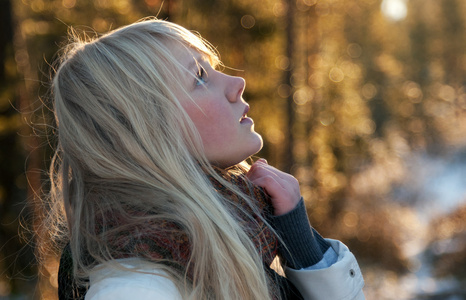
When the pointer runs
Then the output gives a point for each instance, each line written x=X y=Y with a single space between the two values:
x=363 y=100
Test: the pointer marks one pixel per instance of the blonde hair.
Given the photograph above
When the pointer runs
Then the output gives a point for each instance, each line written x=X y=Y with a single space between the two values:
x=124 y=140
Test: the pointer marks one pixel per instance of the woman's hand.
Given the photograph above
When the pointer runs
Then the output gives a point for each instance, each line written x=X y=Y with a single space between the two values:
x=280 y=186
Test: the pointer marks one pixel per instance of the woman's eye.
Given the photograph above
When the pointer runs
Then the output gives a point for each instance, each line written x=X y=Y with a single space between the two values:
x=200 y=77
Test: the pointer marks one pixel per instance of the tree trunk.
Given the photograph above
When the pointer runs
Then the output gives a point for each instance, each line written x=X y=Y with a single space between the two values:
x=288 y=156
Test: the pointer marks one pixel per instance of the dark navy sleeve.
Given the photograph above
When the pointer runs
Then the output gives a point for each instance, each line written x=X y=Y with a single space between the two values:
x=303 y=246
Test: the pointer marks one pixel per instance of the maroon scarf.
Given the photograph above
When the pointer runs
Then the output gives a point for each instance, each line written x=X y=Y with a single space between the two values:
x=166 y=242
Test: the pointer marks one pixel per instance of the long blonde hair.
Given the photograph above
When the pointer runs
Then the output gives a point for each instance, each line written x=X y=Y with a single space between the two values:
x=124 y=140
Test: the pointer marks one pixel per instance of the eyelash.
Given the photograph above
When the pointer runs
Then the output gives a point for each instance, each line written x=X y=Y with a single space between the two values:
x=200 y=80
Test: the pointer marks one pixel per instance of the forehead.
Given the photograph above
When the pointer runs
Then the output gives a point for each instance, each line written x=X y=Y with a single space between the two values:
x=187 y=56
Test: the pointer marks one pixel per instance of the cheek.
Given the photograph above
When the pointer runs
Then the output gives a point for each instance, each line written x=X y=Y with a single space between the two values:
x=213 y=123
x=215 y=131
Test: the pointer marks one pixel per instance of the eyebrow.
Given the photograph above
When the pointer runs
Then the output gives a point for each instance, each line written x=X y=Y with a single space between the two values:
x=198 y=59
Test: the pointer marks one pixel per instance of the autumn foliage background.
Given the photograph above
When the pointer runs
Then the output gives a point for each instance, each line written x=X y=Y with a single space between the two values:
x=366 y=108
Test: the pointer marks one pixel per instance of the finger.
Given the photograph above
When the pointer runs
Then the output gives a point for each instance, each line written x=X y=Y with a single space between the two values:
x=273 y=188
x=273 y=181
x=262 y=160
x=259 y=169
x=282 y=200
x=262 y=165
x=258 y=163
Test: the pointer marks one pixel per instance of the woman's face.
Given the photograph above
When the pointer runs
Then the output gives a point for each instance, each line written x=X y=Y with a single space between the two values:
x=218 y=111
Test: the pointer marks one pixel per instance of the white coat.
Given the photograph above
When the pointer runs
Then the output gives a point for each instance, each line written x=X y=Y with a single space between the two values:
x=341 y=281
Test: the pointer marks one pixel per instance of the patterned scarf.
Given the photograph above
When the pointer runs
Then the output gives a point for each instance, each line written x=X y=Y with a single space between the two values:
x=167 y=241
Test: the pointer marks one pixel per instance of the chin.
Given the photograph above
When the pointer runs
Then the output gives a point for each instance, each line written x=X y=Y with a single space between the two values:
x=253 y=146
x=259 y=143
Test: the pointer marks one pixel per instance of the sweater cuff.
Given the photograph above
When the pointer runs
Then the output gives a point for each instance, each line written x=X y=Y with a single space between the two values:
x=304 y=246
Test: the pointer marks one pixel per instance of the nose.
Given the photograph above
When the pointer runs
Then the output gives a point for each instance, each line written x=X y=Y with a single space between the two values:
x=235 y=88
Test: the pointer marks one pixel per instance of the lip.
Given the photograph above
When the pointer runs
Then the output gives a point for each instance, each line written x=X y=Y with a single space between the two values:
x=244 y=116
x=246 y=121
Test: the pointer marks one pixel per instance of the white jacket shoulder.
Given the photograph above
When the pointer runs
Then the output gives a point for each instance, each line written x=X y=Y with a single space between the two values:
x=110 y=283
x=341 y=281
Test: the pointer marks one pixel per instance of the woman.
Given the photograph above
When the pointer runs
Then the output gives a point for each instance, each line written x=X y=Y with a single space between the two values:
x=150 y=171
